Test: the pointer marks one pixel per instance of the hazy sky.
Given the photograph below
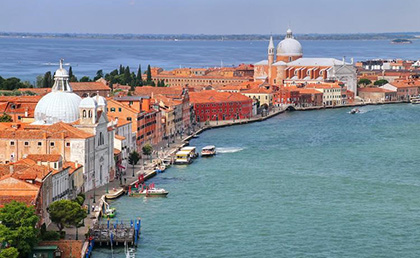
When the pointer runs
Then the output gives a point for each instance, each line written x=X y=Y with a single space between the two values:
x=209 y=16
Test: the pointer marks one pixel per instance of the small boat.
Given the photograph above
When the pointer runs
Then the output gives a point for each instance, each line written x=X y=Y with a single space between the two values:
x=415 y=100
x=208 y=151
x=401 y=41
x=160 y=169
x=191 y=150
x=183 y=157
x=150 y=191
x=109 y=213
x=167 y=162
x=195 y=136
x=354 y=111
x=114 y=193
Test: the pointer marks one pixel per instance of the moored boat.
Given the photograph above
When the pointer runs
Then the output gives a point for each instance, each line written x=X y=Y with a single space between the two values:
x=109 y=213
x=192 y=151
x=149 y=191
x=114 y=193
x=183 y=157
x=208 y=151
x=415 y=100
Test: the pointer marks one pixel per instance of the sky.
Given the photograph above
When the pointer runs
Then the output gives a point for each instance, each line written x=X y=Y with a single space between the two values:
x=209 y=16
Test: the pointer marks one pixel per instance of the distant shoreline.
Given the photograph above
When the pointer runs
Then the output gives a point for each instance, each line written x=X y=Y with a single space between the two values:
x=202 y=37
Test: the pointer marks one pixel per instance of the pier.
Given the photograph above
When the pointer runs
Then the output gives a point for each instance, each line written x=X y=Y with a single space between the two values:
x=116 y=233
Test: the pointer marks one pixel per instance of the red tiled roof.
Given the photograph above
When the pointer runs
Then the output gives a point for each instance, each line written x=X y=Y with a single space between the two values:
x=72 y=166
x=89 y=86
x=56 y=131
x=18 y=190
x=211 y=96
x=44 y=157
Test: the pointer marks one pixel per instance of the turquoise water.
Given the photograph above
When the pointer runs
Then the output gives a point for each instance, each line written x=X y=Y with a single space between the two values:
x=302 y=184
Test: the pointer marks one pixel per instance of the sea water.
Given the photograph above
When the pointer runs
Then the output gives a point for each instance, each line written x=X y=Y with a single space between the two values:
x=26 y=58
x=302 y=184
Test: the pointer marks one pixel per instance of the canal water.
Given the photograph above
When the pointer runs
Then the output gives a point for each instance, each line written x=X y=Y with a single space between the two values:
x=302 y=184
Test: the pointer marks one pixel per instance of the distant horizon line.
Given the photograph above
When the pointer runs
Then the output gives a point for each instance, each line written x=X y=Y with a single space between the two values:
x=209 y=34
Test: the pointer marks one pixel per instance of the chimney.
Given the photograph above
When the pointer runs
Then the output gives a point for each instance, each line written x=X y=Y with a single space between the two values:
x=39 y=162
x=76 y=164
x=12 y=168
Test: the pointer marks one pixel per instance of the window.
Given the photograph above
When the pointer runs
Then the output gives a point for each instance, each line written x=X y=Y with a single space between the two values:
x=26 y=143
x=84 y=113
x=112 y=109
x=52 y=144
x=128 y=118
x=12 y=143
x=39 y=143
x=119 y=109
x=67 y=144
x=90 y=113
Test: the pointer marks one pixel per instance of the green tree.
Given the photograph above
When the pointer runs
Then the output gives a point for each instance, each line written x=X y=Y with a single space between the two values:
x=149 y=75
x=99 y=75
x=17 y=227
x=65 y=213
x=365 y=81
x=127 y=75
x=114 y=73
x=133 y=159
x=380 y=82
x=139 y=77
x=5 y=118
x=39 y=81
x=72 y=78
x=121 y=69
x=147 y=149
x=10 y=252
x=47 y=82
x=12 y=83
x=85 y=79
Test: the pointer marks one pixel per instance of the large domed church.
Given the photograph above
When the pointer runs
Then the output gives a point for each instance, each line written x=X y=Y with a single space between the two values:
x=86 y=117
x=286 y=65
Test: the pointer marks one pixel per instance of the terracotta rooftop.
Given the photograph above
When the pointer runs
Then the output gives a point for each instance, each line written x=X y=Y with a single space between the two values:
x=70 y=248
x=259 y=90
x=89 y=86
x=72 y=166
x=44 y=157
x=166 y=91
x=27 y=131
x=211 y=96
x=18 y=190
x=26 y=169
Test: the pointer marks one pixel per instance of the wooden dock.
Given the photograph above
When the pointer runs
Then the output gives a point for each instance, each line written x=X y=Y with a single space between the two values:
x=114 y=233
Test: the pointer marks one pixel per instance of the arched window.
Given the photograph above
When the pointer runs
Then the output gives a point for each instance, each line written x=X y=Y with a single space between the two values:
x=90 y=113
x=84 y=113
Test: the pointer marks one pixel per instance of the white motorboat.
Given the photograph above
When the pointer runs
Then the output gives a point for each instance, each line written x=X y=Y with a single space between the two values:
x=208 y=151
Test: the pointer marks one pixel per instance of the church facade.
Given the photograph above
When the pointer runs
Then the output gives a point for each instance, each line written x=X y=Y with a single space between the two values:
x=77 y=129
x=286 y=66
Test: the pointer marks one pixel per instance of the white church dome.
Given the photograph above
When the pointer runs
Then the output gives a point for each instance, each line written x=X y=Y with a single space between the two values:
x=101 y=101
x=289 y=46
x=88 y=102
x=61 y=104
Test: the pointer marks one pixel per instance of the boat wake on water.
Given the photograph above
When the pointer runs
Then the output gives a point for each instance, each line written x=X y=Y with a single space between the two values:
x=229 y=149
